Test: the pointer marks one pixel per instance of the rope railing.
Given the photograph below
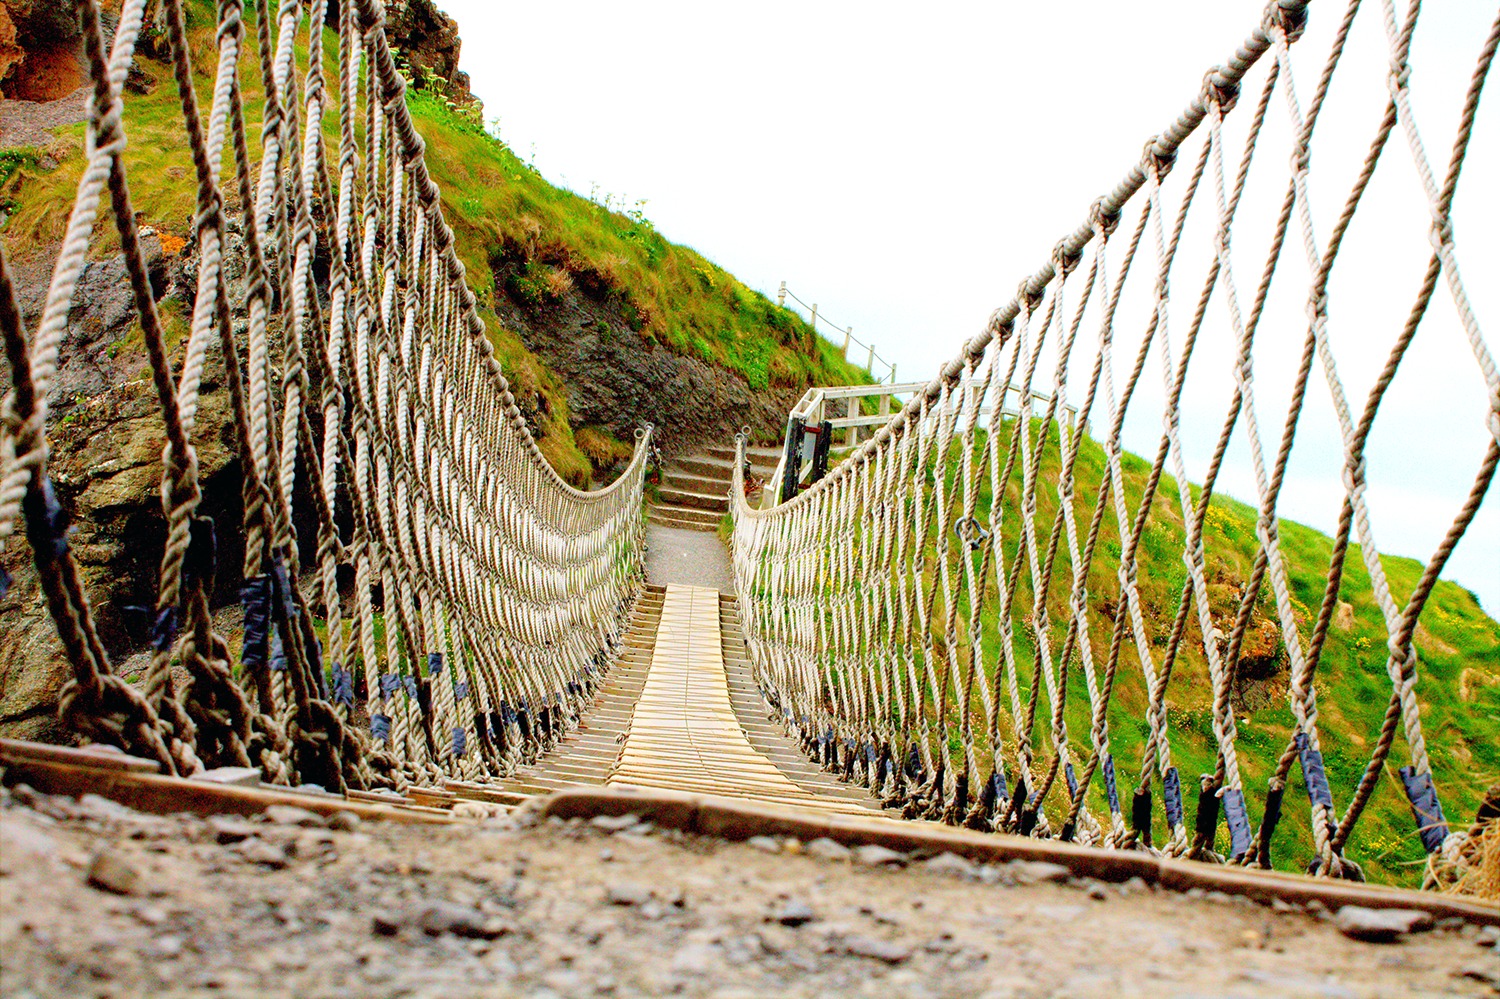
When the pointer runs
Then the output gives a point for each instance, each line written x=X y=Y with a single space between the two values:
x=963 y=579
x=850 y=340
x=463 y=599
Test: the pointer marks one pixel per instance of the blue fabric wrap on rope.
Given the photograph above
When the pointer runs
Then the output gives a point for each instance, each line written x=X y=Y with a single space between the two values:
x=1425 y=808
x=1171 y=796
x=434 y=663
x=507 y=714
x=1072 y=780
x=164 y=629
x=277 y=650
x=5 y=582
x=1110 y=787
x=461 y=690
x=1002 y=788
x=46 y=523
x=460 y=741
x=411 y=686
x=870 y=752
x=343 y=686
x=389 y=684
x=255 y=597
x=380 y=727
x=913 y=761
x=1238 y=820
x=1313 y=773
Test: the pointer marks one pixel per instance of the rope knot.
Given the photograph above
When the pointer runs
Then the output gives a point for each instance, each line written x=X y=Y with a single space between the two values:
x=1157 y=158
x=1288 y=18
x=1102 y=218
x=1219 y=91
x=1064 y=258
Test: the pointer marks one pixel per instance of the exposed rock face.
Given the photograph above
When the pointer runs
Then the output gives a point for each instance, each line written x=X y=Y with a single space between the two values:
x=105 y=438
x=618 y=379
x=429 y=40
x=41 y=50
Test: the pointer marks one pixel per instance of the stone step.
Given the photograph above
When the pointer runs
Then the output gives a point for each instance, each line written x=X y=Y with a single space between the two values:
x=685 y=517
x=722 y=468
x=717 y=501
x=674 y=479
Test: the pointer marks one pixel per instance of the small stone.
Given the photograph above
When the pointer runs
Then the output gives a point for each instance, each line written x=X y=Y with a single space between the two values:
x=766 y=844
x=386 y=925
x=880 y=950
x=1134 y=886
x=614 y=823
x=951 y=864
x=1030 y=872
x=238 y=776
x=229 y=829
x=793 y=845
x=1488 y=975
x=626 y=893
x=795 y=913
x=1380 y=925
x=1098 y=893
x=344 y=821
x=258 y=851
x=166 y=946
x=827 y=849
x=111 y=872
x=1489 y=937
x=437 y=918
x=291 y=815
x=873 y=855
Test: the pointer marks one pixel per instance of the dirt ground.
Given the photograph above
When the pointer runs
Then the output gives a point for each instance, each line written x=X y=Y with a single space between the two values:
x=98 y=900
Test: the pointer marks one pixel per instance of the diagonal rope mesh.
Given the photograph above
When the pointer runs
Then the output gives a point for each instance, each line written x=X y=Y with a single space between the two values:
x=951 y=613
x=461 y=599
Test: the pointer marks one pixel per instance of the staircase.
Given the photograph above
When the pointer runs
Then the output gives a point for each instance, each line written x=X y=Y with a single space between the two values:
x=695 y=488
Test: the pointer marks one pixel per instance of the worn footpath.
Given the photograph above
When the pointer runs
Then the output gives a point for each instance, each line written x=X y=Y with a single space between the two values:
x=98 y=900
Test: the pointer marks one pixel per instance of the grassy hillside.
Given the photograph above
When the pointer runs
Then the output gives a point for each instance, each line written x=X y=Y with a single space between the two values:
x=506 y=217
x=1457 y=643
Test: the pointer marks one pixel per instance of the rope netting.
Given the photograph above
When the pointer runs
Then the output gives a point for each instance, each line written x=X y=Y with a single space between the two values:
x=919 y=613
x=463 y=599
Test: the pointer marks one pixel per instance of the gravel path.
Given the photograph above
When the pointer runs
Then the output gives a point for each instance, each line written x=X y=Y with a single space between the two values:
x=97 y=900
x=28 y=123
x=694 y=558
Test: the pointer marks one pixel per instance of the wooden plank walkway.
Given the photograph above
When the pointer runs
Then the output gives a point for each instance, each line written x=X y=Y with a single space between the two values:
x=684 y=734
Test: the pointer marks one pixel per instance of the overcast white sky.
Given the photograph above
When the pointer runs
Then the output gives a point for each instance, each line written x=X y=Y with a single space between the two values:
x=906 y=166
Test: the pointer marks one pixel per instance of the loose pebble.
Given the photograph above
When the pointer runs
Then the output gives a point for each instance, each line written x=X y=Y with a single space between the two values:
x=291 y=815
x=874 y=855
x=795 y=913
x=951 y=864
x=625 y=893
x=614 y=823
x=1380 y=925
x=344 y=821
x=111 y=872
x=874 y=947
x=1029 y=872
x=765 y=844
x=827 y=849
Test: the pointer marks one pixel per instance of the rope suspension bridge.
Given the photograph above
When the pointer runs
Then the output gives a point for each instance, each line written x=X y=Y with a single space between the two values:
x=912 y=618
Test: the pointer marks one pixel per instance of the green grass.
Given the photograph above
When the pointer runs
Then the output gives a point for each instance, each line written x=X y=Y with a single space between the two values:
x=1458 y=647
x=506 y=219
